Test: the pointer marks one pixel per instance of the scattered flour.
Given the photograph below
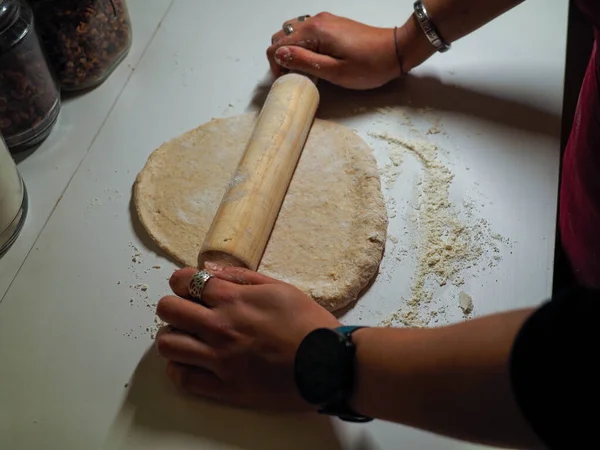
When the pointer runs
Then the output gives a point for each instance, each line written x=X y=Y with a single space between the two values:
x=434 y=130
x=95 y=202
x=142 y=296
x=466 y=303
x=391 y=170
x=446 y=245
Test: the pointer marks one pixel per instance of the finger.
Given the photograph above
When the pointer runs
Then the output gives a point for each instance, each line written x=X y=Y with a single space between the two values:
x=303 y=60
x=277 y=36
x=180 y=281
x=292 y=22
x=280 y=35
x=302 y=37
x=296 y=24
x=276 y=69
x=185 y=349
x=221 y=288
x=188 y=316
x=239 y=275
x=195 y=380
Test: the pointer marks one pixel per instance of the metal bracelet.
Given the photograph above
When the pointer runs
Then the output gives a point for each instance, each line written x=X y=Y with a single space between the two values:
x=429 y=28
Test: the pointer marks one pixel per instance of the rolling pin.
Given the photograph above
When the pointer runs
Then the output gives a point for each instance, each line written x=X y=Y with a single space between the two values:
x=248 y=210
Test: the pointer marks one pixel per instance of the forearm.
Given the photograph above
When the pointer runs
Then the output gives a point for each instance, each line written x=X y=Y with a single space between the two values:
x=453 y=380
x=453 y=20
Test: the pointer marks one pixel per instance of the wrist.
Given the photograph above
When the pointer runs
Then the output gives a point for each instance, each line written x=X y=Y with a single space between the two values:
x=378 y=371
x=413 y=45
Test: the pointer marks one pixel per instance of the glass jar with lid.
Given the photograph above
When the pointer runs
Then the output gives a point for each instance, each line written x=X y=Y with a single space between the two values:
x=13 y=200
x=29 y=94
x=85 y=39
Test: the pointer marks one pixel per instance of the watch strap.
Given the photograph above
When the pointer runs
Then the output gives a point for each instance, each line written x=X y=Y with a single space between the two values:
x=340 y=408
x=342 y=411
x=347 y=330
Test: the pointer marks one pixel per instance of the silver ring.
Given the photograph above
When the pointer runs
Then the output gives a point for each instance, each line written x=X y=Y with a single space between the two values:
x=288 y=29
x=198 y=283
x=303 y=18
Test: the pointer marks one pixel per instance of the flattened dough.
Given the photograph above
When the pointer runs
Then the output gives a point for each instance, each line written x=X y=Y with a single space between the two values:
x=330 y=233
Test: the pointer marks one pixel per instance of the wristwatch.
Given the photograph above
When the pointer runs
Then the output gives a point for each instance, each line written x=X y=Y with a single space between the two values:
x=324 y=371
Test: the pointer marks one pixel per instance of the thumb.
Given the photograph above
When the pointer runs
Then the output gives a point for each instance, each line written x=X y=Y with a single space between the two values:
x=300 y=59
x=239 y=275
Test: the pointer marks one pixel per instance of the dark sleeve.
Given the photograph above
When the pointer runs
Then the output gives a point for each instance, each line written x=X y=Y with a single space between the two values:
x=555 y=373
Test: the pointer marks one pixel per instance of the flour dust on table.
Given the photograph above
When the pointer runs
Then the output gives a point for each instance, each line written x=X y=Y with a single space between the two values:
x=330 y=233
x=450 y=241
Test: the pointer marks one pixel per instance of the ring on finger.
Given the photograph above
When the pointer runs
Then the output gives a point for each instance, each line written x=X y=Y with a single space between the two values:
x=303 y=18
x=197 y=285
x=288 y=29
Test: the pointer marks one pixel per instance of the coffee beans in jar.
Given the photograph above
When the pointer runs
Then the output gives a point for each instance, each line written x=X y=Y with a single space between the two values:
x=85 y=39
x=29 y=95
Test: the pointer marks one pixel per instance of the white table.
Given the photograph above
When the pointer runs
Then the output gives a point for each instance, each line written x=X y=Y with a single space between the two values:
x=77 y=367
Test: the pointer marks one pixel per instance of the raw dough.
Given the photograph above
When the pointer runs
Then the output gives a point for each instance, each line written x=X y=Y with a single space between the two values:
x=330 y=233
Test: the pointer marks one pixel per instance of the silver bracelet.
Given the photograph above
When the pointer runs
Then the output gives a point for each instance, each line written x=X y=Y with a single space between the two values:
x=429 y=28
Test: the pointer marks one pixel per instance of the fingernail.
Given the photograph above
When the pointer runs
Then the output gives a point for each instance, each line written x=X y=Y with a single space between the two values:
x=283 y=56
x=214 y=267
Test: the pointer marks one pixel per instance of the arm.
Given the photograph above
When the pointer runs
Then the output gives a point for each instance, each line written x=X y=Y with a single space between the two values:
x=358 y=56
x=508 y=379
x=452 y=380
x=453 y=19
x=502 y=379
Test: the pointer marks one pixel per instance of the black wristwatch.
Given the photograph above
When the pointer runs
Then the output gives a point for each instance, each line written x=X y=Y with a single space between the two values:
x=324 y=371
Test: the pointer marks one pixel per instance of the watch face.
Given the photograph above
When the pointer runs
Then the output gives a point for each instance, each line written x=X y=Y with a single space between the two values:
x=324 y=366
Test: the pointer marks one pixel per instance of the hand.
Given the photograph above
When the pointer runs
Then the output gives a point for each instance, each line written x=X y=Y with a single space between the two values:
x=240 y=347
x=341 y=51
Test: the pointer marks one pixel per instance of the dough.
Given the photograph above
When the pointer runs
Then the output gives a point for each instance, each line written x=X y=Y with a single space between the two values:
x=330 y=233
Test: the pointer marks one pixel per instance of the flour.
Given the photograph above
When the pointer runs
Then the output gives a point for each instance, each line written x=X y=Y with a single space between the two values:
x=141 y=294
x=465 y=302
x=237 y=179
x=434 y=130
x=446 y=245
x=391 y=170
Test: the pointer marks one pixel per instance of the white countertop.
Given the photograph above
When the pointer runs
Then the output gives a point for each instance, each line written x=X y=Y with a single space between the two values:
x=78 y=371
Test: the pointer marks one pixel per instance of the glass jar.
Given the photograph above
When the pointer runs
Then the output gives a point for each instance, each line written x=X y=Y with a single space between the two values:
x=85 y=39
x=13 y=200
x=29 y=94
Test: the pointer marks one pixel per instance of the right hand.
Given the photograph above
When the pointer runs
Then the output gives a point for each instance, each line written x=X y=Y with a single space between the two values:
x=239 y=346
x=344 y=52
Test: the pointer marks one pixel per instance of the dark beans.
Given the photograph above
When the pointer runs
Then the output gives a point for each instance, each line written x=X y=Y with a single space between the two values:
x=85 y=39
x=29 y=96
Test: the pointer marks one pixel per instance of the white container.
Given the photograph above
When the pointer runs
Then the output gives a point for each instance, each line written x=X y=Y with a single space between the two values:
x=13 y=200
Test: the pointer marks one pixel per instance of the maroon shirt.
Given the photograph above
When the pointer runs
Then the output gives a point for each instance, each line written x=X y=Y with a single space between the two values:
x=580 y=186
x=554 y=379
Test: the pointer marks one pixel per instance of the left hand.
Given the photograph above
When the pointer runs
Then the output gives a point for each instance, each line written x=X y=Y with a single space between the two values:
x=342 y=51
x=240 y=347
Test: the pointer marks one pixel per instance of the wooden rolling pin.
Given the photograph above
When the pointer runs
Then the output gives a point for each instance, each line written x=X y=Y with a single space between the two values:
x=241 y=228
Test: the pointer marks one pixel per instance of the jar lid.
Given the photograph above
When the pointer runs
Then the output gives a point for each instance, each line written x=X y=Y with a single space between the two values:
x=15 y=21
x=8 y=14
